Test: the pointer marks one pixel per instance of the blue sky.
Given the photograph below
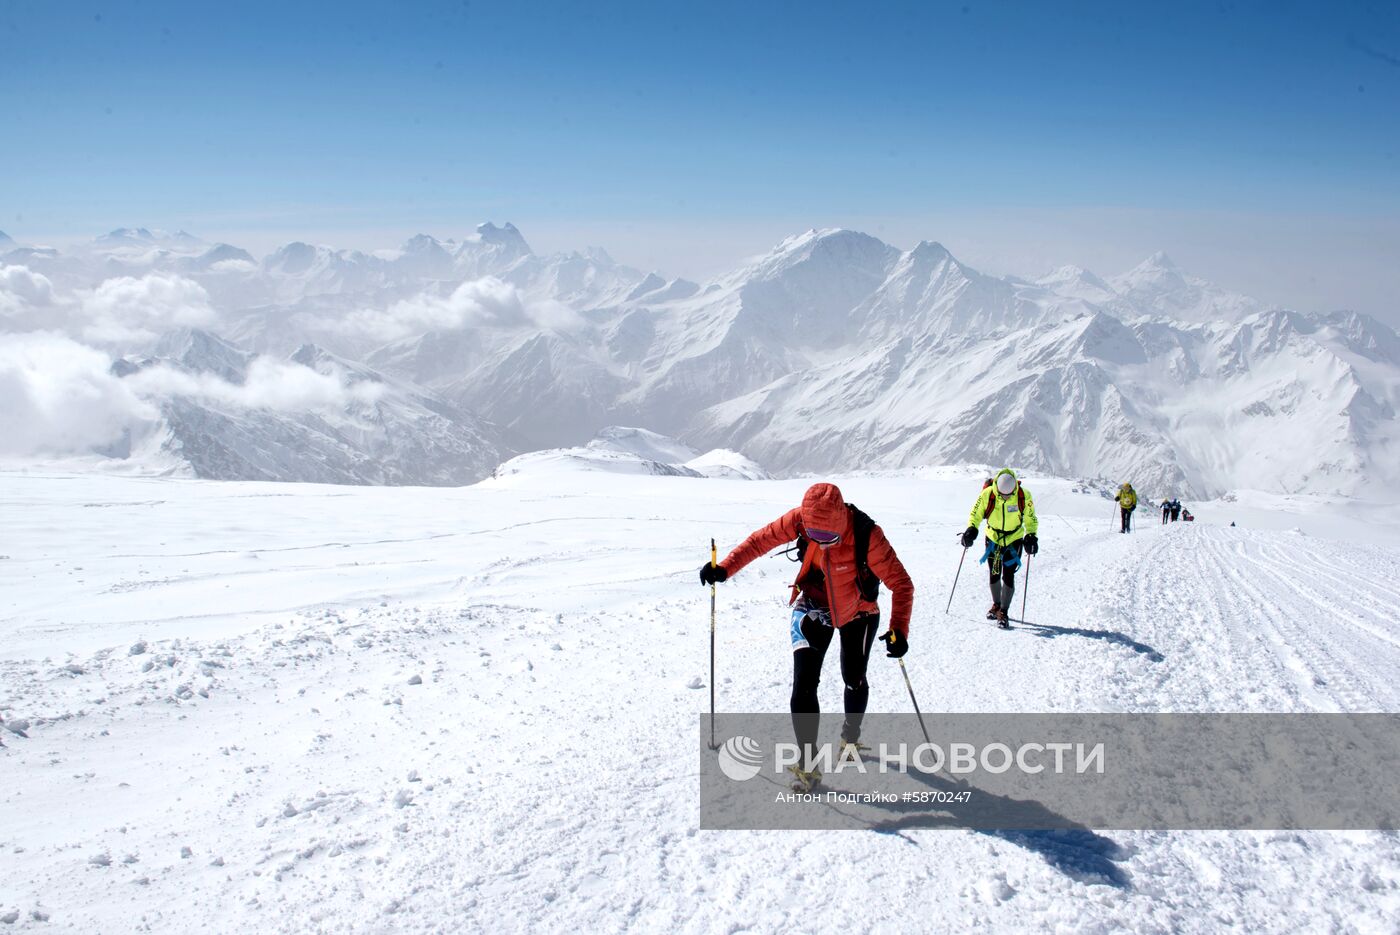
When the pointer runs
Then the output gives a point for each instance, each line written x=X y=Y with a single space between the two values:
x=1244 y=139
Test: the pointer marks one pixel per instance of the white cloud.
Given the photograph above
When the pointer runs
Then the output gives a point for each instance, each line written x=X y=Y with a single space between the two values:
x=24 y=295
x=271 y=384
x=128 y=311
x=234 y=266
x=125 y=313
x=487 y=302
x=59 y=397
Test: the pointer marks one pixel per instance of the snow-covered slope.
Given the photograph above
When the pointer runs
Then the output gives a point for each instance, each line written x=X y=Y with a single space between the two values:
x=256 y=707
x=1159 y=285
x=1078 y=283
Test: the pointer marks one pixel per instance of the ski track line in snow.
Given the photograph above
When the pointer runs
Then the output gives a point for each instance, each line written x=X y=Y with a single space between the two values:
x=273 y=550
x=139 y=584
x=365 y=543
x=1175 y=592
x=1382 y=603
x=1187 y=603
x=1326 y=678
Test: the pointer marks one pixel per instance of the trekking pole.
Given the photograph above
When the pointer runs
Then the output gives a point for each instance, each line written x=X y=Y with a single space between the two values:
x=1112 y=516
x=909 y=685
x=713 y=562
x=955 y=582
x=1026 y=590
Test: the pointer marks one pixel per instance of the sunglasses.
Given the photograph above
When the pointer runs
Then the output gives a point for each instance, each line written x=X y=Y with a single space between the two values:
x=822 y=537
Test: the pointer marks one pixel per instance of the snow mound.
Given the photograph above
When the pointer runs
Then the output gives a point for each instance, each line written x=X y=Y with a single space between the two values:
x=651 y=446
x=626 y=450
x=569 y=460
x=723 y=462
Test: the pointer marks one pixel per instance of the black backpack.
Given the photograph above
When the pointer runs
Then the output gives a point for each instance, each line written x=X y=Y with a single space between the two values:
x=867 y=582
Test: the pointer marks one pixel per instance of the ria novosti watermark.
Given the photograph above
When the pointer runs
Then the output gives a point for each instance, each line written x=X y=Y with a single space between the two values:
x=1039 y=771
x=740 y=759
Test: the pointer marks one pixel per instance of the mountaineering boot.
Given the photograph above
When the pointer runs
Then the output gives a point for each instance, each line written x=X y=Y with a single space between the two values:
x=992 y=614
x=852 y=749
x=804 y=780
x=1001 y=618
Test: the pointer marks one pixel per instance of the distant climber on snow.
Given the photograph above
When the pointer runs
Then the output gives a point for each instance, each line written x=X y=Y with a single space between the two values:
x=1176 y=509
x=1127 y=502
x=1011 y=529
x=834 y=594
x=1166 y=510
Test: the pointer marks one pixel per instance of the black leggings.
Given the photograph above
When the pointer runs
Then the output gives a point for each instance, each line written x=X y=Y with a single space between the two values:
x=1003 y=577
x=1127 y=518
x=856 y=640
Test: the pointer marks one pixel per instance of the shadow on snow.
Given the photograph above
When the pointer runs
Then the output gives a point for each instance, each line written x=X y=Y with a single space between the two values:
x=1078 y=852
x=1050 y=631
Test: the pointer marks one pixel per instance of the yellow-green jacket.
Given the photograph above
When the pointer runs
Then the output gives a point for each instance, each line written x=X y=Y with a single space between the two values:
x=1007 y=523
x=1127 y=497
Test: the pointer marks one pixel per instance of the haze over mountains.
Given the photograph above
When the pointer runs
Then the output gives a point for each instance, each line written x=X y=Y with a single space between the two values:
x=433 y=363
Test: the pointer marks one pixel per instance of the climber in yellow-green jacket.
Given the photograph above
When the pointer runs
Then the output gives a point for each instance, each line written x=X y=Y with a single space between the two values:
x=1011 y=529
x=1127 y=502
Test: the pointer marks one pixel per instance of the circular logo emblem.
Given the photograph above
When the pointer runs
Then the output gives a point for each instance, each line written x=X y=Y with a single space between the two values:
x=740 y=758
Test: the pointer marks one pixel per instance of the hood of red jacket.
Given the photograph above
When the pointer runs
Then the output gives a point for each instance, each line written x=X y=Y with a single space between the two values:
x=823 y=507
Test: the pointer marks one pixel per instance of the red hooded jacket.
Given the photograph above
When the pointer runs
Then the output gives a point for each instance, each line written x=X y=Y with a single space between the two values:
x=824 y=508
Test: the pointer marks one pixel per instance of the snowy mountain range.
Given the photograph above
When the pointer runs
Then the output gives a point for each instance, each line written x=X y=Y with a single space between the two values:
x=833 y=351
x=382 y=431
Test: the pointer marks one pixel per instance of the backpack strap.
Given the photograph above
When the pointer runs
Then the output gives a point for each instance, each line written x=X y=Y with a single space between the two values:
x=863 y=525
x=808 y=557
x=866 y=580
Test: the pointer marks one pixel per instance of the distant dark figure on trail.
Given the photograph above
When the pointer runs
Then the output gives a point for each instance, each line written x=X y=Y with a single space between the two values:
x=1127 y=502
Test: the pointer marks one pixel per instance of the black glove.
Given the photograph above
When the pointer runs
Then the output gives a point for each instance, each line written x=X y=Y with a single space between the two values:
x=709 y=574
x=969 y=537
x=896 y=642
x=1032 y=544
